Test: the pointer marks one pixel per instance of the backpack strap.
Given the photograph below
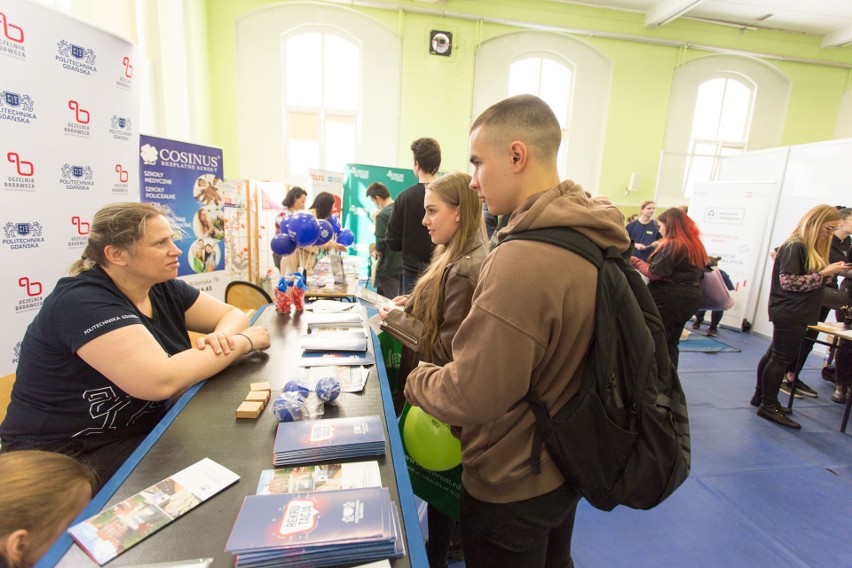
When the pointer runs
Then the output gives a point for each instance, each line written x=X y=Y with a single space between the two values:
x=578 y=243
x=564 y=237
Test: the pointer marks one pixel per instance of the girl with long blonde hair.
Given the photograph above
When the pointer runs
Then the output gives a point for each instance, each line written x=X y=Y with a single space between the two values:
x=441 y=298
x=800 y=271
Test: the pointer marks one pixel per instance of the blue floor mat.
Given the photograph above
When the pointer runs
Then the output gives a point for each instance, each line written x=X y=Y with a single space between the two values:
x=701 y=344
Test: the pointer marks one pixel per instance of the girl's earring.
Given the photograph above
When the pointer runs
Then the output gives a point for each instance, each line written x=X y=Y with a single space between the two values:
x=457 y=219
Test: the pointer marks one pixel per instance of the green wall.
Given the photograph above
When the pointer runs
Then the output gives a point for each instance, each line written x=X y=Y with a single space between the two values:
x=436 y=92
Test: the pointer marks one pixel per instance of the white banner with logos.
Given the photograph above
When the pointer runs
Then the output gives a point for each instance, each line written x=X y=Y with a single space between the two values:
x=734 y=222
x=331 y=182
x=69 y=107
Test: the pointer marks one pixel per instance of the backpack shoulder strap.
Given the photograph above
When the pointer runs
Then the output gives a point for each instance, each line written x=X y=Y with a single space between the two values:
x=564 y=237
x=577 y=243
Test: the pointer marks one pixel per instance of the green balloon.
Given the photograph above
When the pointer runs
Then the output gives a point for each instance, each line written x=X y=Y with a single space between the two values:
x=429 y=441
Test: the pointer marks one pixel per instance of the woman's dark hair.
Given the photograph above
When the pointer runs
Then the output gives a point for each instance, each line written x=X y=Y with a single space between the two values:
x=323 y=203
x=295 y=193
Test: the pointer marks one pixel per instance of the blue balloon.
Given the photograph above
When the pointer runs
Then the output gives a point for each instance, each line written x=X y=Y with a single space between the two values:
x=304 y=229
x=346 y=237
x=282 y=244
x=283 y=220
x=296 y=387
x=335 y=223
x=328 y=388
x=326 y=232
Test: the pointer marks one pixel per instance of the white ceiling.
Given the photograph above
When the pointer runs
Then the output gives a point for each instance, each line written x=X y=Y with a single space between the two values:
x=831 y=19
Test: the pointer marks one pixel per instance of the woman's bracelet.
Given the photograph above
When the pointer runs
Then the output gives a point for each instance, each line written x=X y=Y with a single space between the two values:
x=251 y=343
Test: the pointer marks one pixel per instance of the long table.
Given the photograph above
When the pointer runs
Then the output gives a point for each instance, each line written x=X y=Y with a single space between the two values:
x=203 y=424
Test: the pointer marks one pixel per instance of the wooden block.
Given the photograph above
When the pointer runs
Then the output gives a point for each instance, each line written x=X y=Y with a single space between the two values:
x=249 y=409
x=258 y=396
x=264 y=386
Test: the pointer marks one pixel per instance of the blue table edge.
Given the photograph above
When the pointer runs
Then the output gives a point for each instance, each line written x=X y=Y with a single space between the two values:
x=416 y=549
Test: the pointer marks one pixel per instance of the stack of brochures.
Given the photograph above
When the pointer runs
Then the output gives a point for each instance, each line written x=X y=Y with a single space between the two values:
x=328 y=339
x=316 y=529
x=328 y=439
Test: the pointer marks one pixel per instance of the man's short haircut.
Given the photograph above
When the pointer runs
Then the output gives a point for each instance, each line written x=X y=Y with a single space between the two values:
x=526 y=118
x=378 y=190
x=427 y=153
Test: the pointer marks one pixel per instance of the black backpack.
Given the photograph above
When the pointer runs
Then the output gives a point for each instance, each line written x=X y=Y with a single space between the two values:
x=624 y=438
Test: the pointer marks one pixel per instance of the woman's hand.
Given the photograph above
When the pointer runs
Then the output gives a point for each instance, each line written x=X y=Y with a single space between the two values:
x=835 y=268
x=383 y=312
x=222 y=343
x=258 y=338
x=400 y=300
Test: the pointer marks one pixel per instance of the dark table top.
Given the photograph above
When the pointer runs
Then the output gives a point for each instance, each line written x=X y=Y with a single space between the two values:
x=207 y=427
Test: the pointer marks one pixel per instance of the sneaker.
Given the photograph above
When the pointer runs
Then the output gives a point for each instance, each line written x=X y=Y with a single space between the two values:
x=696 y=325
x=712 y=332
x=755 y=401
x=840 y=395
x=785 y=388
x=805 y=389
x=774 y=413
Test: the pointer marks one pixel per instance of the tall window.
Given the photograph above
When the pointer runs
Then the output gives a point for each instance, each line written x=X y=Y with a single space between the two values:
x=720 y=125
x=551 y=81
x=321 y=101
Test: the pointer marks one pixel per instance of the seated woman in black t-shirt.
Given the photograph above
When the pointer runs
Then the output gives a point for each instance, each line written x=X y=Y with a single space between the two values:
x=109 y=346
x=674 y=269
x=800 y=271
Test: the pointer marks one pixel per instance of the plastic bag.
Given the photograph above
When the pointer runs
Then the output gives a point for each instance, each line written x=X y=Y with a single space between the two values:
x=715 y=295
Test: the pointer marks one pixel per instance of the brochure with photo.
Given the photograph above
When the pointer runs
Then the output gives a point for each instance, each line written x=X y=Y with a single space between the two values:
x=112 y=531
x=325 y=477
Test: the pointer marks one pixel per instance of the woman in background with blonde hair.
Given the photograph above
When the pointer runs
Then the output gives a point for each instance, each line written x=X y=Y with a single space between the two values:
x=800 y=271
x=41 y=493
x=441 y=299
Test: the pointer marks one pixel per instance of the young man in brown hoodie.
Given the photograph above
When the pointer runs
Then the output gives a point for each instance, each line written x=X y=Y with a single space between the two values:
x=530 y=326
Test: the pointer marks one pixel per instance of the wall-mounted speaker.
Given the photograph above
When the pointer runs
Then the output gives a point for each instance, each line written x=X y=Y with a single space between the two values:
x=440 y=43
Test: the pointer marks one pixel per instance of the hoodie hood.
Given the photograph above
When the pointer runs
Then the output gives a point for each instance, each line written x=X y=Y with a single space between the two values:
x=566 y=205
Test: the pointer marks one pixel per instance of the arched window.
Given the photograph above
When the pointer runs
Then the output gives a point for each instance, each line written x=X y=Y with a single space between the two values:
x=720 y=105
x=552 y=81
x=333 y=71
x=320 y=103
x=567 y=74
x=720 y=126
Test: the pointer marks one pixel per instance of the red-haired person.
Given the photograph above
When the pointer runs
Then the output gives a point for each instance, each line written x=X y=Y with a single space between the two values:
x=675 y=268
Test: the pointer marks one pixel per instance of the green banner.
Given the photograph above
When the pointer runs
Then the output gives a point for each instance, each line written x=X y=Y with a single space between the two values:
x=357 y=206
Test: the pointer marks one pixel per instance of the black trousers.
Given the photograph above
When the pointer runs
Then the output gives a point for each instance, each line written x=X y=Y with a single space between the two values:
x=786 y=342
x=676 y=303
x=534 y=533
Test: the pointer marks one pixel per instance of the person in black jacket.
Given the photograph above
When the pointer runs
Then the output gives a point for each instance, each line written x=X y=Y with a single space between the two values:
x=800 y=271
x=406 y=232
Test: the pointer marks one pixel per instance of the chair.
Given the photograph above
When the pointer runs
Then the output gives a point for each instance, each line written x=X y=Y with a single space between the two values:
x=245 y=295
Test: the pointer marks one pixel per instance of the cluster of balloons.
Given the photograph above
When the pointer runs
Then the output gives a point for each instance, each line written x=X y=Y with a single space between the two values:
x=301 y=229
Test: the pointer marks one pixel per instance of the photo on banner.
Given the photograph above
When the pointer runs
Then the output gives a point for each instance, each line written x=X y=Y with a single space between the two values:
x=357 y=206
x=187 y=179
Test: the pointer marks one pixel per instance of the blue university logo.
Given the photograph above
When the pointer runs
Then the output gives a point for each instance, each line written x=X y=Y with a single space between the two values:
x=12 y=230
x=17 y=101
x=83 y=54
x=77 y=171
x=120 y=122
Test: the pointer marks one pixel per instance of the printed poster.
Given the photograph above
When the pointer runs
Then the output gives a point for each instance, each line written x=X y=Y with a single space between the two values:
x=187 y=180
